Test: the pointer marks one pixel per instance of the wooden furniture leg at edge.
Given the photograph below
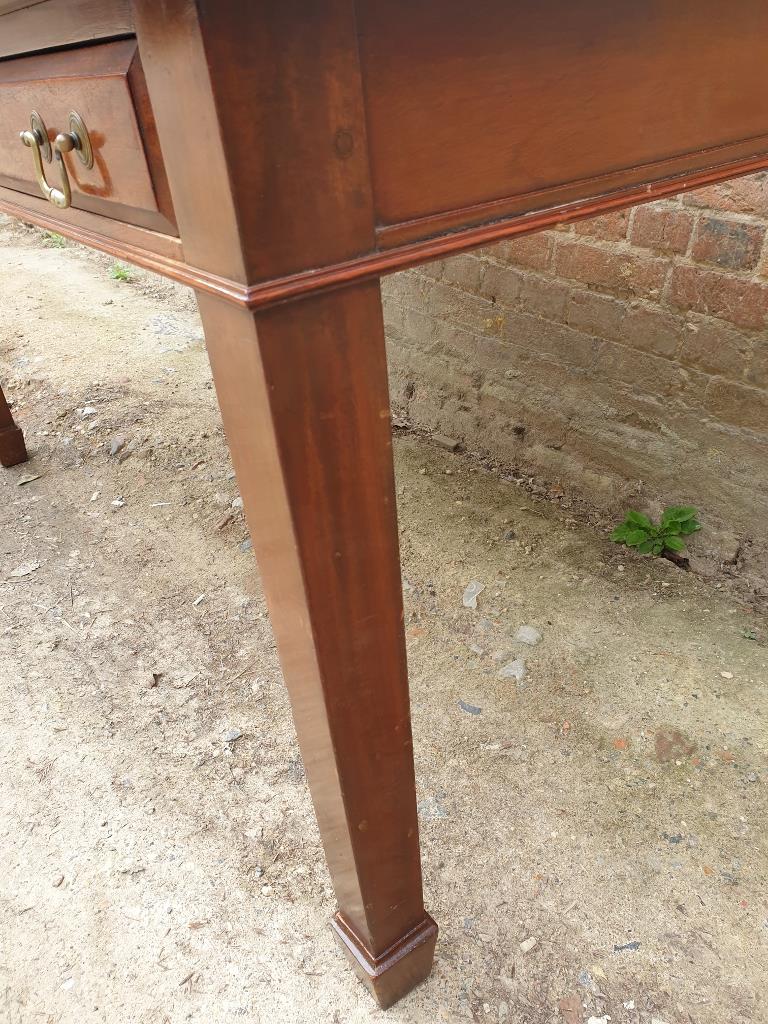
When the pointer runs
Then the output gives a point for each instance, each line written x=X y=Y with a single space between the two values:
x=304 y=398
x=12 y=447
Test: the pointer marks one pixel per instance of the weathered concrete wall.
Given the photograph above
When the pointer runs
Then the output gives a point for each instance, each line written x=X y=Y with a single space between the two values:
x=622 y=361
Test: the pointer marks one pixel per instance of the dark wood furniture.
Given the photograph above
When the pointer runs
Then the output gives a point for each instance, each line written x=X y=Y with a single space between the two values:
x=279 y=157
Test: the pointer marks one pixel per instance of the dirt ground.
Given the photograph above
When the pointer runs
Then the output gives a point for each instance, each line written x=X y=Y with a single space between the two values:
x=155 y=870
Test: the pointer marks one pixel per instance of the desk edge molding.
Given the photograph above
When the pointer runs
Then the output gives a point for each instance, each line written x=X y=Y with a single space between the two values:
x=382 y=261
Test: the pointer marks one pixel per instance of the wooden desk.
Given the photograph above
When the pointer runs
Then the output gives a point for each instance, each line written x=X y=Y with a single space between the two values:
x=279 y=157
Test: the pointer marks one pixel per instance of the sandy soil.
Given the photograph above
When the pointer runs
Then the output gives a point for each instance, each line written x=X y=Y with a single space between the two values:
x=612 y=806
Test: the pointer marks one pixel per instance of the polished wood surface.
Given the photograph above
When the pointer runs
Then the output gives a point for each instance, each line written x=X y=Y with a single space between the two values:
x=303 y=394
x=543 y=98
x=293 y=141
x=104 y=84
x=304 y=149
x=29 y=27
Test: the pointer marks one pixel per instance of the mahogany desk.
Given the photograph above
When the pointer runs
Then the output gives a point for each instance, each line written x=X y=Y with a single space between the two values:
x=279 y=156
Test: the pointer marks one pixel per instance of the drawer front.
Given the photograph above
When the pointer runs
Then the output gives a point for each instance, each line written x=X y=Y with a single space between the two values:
x=105 y=85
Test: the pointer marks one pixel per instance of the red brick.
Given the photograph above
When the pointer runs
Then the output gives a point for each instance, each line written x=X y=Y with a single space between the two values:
x=738 y=405
x=501 y=284
x=653 y=330
x=611 y=227
x=531 y=251
x=758 y=371
x=712 y=346
x=573 y=348
x=433 y=269
x=740 y=195
x=740 y=302
x=543 y=295
x=618 y=272
x=463 y=271
x=727 y=243
x=649 y=373
x=666 y=229
x=595 y=313
x=442 y=301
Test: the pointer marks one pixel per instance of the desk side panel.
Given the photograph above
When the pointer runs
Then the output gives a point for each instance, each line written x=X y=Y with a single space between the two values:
x=494 y=109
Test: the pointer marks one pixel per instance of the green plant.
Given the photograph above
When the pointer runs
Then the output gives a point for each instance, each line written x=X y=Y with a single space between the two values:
x=638 y=531
x=53 y=241
x=119 y=273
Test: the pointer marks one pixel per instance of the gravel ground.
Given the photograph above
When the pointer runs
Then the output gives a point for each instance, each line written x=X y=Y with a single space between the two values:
x=611 y=805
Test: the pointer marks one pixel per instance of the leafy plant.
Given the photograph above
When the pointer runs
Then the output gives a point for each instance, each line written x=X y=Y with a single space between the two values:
x=53 y=241
x=119 y=273
x=638 y=531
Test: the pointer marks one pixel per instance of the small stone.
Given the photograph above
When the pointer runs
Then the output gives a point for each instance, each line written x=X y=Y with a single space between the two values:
x=430 y=808
x=528 y=635
x=513 y=670
x=266 y=890
x=247 y=544
x=599 y=1020
x=232 y=734
x=727 y=675
x=116 y=445
x=445 y=442
x=471 y=709
x=25 y=569
x=528 y=944
x=510 y=535
x=571 y=1008
x=471 y=593
x=119 y=502
x=237 y=503
x=671 y=745
x=87 y=411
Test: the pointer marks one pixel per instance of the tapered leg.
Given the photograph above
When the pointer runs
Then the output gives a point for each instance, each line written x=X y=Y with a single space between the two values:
x=303 y=393
x=12 y=448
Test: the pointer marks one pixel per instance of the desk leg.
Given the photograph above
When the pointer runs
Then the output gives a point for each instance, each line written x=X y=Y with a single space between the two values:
x=12 y=448
x=303 y=394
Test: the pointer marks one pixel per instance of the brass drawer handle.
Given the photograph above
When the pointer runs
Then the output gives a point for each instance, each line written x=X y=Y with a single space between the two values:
x=77 y=139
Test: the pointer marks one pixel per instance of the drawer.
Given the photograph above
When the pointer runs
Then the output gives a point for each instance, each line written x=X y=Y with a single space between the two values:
x=104 y=84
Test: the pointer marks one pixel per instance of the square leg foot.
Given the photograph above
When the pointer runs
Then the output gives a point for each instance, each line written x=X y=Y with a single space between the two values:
x=13 y=451
x=399 y=969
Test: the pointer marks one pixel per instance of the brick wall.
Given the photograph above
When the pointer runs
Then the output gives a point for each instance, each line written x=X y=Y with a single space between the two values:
x=621 y=361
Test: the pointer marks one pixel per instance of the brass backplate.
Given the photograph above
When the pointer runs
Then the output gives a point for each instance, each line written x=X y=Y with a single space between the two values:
x=37 y=126
x=84 y=149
